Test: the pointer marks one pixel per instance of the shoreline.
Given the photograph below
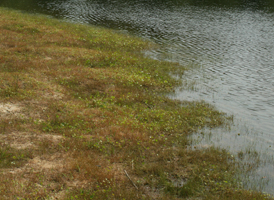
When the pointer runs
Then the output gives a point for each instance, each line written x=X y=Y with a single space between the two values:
x=80 y=105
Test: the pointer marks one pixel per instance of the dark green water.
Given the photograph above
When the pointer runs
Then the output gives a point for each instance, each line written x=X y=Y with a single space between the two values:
x=227 y=44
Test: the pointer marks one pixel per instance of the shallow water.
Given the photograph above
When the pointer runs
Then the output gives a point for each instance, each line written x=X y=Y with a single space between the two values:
x=228 y=47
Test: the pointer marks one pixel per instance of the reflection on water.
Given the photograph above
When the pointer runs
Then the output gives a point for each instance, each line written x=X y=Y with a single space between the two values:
x=228 y=46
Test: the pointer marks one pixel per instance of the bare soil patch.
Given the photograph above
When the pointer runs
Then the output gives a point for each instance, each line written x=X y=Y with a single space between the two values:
x=9 y=109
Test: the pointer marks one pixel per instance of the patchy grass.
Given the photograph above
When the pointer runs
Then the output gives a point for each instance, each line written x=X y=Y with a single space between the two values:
x=80 y=104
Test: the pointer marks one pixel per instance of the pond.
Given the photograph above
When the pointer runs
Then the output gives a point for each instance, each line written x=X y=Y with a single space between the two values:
x=227 y=45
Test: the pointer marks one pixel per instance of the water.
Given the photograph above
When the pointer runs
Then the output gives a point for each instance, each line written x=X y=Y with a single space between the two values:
x=227 y=45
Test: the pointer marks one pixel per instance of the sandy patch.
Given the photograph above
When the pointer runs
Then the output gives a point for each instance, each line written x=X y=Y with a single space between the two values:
x=24 y=140
x=52 y=162
x=48 y=163
x=40 y=174
x=9 y=109
x=59 y=195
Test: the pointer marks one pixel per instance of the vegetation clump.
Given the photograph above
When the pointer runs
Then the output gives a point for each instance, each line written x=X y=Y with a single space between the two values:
x=81 y=105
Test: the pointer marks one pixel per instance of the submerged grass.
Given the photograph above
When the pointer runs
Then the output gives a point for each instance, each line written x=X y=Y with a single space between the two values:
x=81 y=104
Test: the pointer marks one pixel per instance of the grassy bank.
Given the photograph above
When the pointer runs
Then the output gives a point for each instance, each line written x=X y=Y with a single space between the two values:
x=81 y=118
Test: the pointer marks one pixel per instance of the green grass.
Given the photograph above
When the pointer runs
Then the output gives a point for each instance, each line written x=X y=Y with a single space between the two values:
x=93 y=106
